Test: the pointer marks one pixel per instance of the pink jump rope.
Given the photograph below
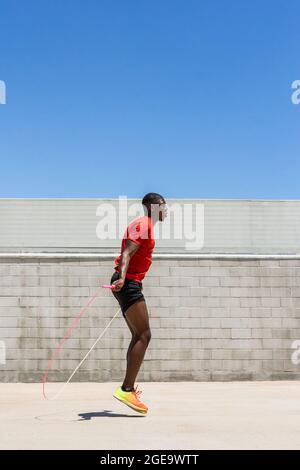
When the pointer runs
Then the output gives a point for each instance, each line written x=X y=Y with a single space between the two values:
x=66 y=336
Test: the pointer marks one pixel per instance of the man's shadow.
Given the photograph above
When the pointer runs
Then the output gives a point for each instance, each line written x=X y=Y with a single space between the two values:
x=106 y=414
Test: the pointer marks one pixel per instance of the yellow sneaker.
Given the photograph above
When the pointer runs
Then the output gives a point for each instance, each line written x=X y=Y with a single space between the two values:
x=131 y=399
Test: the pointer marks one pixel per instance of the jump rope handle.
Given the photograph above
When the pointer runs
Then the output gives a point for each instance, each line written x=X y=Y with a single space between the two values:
x=108 y=286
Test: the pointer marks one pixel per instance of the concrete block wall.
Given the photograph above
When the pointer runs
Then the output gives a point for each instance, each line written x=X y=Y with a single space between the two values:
x=211 y=319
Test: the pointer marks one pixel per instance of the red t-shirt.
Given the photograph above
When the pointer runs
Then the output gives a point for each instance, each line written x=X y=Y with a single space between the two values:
x=139 y=231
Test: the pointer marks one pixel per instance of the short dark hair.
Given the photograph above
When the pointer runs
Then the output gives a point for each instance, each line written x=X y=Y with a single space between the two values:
x=152 y=198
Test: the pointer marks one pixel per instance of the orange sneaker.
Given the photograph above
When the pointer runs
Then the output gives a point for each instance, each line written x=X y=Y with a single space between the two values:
x=131 y=399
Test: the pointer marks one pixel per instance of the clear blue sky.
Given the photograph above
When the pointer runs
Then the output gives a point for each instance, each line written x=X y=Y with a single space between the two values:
x=188 y=98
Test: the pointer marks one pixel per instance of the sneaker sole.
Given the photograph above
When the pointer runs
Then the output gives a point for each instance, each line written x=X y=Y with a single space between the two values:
x=131 y=406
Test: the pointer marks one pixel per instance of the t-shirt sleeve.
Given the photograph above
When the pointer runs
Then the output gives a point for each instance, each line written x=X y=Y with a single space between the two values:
x=137 y=232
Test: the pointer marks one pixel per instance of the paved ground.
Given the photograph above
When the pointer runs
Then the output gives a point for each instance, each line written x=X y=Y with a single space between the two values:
x=183 y=415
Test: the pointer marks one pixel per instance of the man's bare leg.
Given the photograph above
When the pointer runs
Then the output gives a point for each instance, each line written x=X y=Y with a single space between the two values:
x=137 y=319
x=133 y=338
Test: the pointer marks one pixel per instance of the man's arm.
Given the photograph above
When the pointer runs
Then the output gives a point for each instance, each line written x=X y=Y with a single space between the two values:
x=130 y=248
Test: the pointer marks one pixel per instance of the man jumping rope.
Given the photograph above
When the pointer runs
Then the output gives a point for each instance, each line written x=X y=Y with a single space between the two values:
x=130 y=269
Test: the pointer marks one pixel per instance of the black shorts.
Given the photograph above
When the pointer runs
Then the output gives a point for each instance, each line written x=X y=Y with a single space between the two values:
x=129 y=294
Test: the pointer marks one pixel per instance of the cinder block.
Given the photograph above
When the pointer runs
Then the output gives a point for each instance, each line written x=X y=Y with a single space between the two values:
x=243 y=271
x=220 y=333
x=4 y=269
x=158 y=291
x=289 y=322
x=204 y=302
x=19 y=281
x=251 y=323
x=261 y=333
x=230 y=323
x=215 y=312
x=250 y=282
x=250 y=291
x=272 y=281
x=221 y=272
x=159 y=271
x=153 y=281
x=289 y=302
x=282 y=354
x=269 y=262
x=214 y=343
x=159 y=302
x=289 y=262
x=234 y=281
x=272 y=343
x=270 y=302
x=206 y=322
x=261 y=354
x=8 y=322
x=183 y=271
x=226 y=376
x=167 y=301
x=24 y=270
x=219 y=291
x=8 y=301
x=188 y=281
x=230 y=302
x=281 y=291
x=232 y=365
x=250 y=302
x=239 y=312
x=201 y=354
x=265 y=312
x=241 y=354
x=17 y=291
x=171 y=322
x=191 y=301
x=285 y=333
x=199 y=291
x=273 y=365
x=208 y=281
x=6 y=332
x=162 y=312
x=246 y=344
x=69 y=291
x=211 y=364
x=241 y=333
x=295 y=292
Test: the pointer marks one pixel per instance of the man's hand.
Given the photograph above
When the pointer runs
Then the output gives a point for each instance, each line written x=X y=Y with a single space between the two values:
x=119 y=283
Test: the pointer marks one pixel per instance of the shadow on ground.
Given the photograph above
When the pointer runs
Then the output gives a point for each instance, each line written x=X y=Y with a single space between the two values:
x=106 y=414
